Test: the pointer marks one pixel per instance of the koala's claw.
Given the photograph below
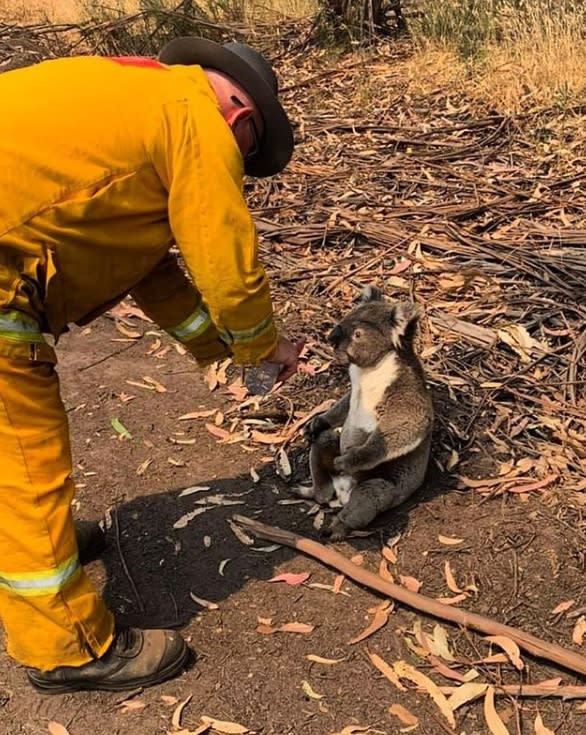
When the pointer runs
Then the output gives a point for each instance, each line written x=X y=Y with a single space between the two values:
x=314 y=428
x=337 y=531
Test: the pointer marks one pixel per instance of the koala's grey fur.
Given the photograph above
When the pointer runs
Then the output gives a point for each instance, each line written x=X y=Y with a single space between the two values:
x=380 y=456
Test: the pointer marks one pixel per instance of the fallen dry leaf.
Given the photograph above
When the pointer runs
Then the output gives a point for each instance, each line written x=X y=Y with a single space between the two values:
x=521 y=342
x=168 y=699
x=338 y=582
x=452 y=600
x=450 y=579
x=381 y=617
x=328 y=588
x=386 y=670
x=383 y=571
x=302 y=628
x=444 y=670
x=243 y=537
x=131 y=705
x=56 y=728
x=406 y=717
x=282 y=464
x=509 y=647
x=218 y=432
x=494 y=722
x=466 y=693
x=155 y=383
x=324 y=661
x=563 y=606
x=357 y=559
x=176 y=718
x=353 y=730
x=226 y=728
x=297 y=628
x=410 y=583
x=389 y=554
x=131 y=334
x=204 y=603
x=309 y=691
x=540 y=728
x=439 y=643
x=193 y=489
x=448 y=541
x=530 y=486
x=211 y=377
x=143 y=466
x=238 y=390
x=292 y=579
x=188 y=517
x=406 y=671
x=197 y=415
x=267 y=438
x=579 y=630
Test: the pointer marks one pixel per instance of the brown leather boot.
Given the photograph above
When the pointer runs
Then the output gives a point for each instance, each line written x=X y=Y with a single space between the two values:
x=91 y=540
x=136 y=658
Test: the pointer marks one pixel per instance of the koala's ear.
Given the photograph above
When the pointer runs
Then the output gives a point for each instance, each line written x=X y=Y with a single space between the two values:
x=405 y=322
x=371 y=293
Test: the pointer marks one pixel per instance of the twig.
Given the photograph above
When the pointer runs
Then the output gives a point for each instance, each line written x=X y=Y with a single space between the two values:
x=125 y=565
x=530 y=643
x=529 y=690
x=107 y=357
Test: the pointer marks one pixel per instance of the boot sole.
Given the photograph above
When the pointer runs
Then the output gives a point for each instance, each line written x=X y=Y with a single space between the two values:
x=104 y=686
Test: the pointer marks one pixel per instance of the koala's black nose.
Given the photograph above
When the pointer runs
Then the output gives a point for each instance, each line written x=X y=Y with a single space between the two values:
x=335 y=336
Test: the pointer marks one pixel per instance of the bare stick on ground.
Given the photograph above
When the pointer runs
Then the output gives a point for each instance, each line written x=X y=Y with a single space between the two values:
x=527 y=690
x=535 y=646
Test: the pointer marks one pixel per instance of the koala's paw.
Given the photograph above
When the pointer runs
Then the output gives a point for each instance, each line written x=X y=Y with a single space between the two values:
x=337 y=531
x=340 y=464
x=314 y=428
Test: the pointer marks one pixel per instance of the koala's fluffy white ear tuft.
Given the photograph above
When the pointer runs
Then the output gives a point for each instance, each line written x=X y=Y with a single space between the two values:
x=371 y=293
x=406 y=317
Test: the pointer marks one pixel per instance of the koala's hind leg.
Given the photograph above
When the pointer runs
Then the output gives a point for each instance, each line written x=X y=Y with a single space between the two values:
x=368 y=499
x=324 y=451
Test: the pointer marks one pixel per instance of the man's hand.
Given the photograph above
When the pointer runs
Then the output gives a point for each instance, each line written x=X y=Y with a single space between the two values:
x=286 y=353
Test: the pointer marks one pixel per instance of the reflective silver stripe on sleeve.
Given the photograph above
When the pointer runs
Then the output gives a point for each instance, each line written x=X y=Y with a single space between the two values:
x=245 y=335
x=195 y=324
x=19 y=326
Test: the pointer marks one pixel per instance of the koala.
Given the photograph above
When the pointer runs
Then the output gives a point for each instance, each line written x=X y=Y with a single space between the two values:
x=371 y=448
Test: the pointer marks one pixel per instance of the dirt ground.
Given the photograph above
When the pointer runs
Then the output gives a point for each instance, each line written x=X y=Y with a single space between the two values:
x=522 y=557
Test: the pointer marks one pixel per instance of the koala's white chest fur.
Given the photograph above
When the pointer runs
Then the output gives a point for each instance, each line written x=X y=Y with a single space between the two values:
x=368 y=388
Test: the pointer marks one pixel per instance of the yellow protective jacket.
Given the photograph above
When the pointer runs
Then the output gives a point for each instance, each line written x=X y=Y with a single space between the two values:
x=104 y=164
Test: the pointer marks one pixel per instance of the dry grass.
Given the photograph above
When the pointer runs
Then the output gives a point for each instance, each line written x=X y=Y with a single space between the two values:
x=28 y=11
x=513 y=60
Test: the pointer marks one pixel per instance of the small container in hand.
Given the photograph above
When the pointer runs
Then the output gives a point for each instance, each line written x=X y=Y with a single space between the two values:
x=259 y=379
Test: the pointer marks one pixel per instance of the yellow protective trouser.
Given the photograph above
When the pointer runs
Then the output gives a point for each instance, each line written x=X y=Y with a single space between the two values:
x=51 y=613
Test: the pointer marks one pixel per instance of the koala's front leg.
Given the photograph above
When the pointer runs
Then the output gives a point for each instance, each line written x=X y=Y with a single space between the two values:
x=322 y=456
x=363 y=457
x=330 y=419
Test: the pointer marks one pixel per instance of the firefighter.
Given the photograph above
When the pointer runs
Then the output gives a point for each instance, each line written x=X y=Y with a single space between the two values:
x=105 y=164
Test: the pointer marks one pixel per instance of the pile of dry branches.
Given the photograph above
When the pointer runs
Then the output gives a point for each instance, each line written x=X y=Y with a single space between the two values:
x=478 y=217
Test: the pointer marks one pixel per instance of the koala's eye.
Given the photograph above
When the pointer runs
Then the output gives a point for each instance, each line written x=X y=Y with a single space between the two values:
x=357 y=334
